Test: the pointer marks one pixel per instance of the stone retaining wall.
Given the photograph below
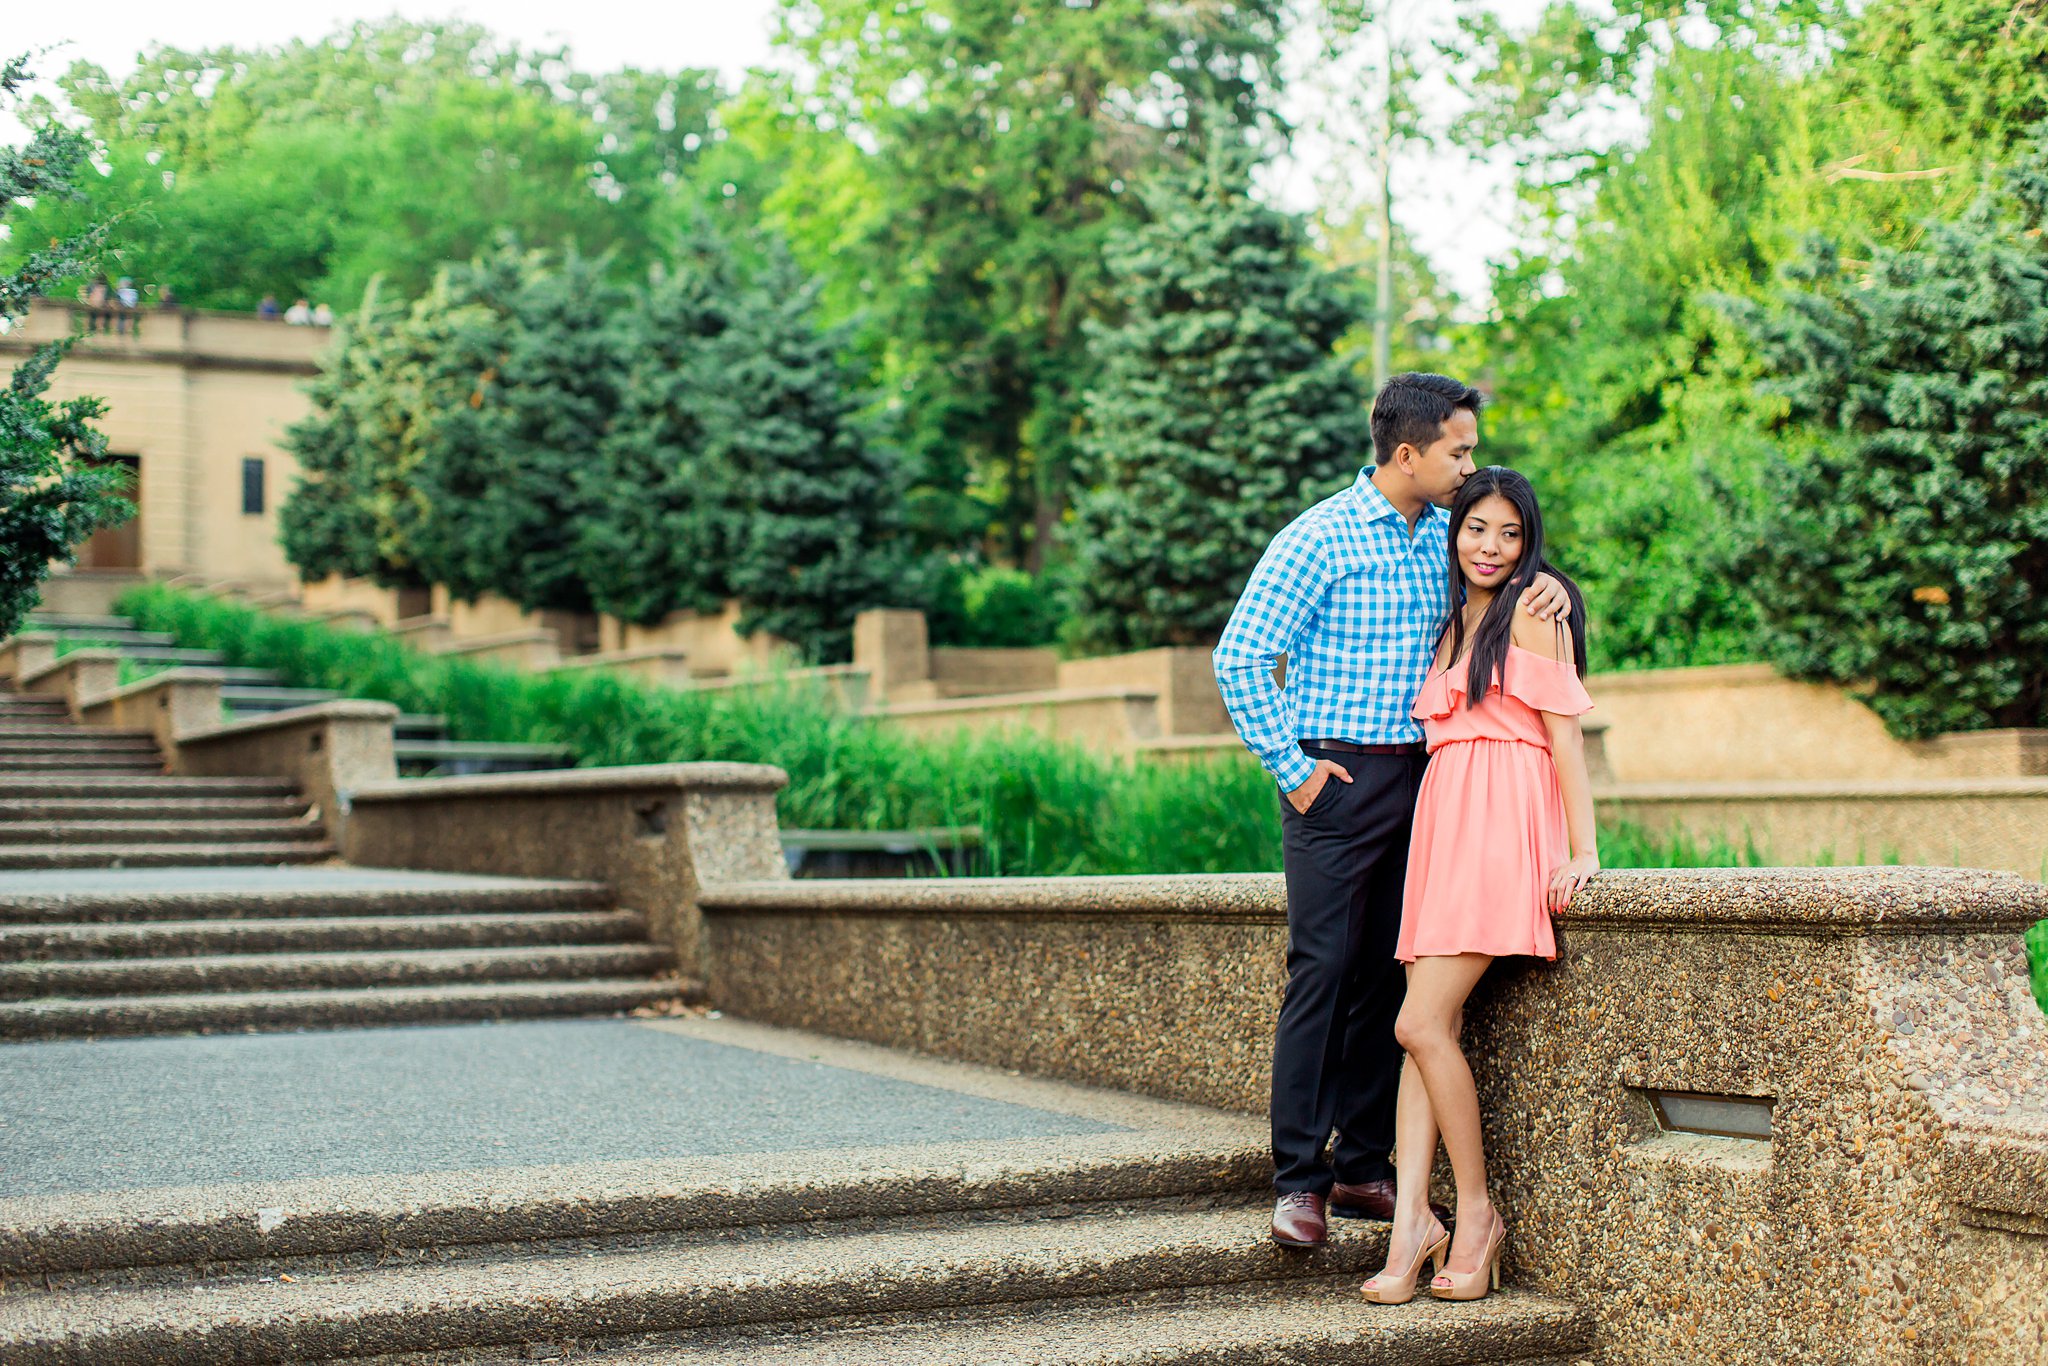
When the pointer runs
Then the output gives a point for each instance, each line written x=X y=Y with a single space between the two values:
x=1897 y=1211
x=654 y=833
x=1999 y=823
x=1748 y=723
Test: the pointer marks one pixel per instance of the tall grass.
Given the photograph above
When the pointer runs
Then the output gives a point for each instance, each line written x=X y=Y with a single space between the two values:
x=1043 y=808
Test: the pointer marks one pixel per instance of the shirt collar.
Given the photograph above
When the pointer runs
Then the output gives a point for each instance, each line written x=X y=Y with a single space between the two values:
x=1375 y=506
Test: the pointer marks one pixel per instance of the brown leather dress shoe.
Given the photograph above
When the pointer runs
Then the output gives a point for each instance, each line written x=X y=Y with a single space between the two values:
x=1374 y=1200
x=1298 y=1220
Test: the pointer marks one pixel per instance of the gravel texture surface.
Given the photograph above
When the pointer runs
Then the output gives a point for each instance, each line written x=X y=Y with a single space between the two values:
x=185 y=1111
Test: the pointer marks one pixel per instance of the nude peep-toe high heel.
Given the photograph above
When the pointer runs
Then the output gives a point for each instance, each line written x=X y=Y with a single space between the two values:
x=1387 y=1288
x=1473 y=1285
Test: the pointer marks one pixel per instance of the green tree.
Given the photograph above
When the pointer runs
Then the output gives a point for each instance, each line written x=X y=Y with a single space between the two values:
x=508 y=506
x=328 y=523
x=525 y=348
x=810 y=499
x=385 y=150
x=651 y=540
x=51 y=495
x=1905 y=555
x=402 y=435
x=1620 y=381
x=987 y=152
x=1219 y=410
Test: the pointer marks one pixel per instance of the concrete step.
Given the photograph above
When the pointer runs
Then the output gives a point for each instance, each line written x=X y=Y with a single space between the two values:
x=263 y=697
x=59 y=727
x=453 y=757
x=168 y=655
x=169 y=808
x=57 y=744
x=115 y=637
x=1155 y=1283
x=75 y=621
x=84 y=762
x=1317 y=1322
x=306 y=971
x=496 y=1214
x=240 y=894
x=78 y=787
x=74 y=1017
x=189 y=855
x=157 y=832
x=318 y=934
x=716 y=1284
x=54 y=711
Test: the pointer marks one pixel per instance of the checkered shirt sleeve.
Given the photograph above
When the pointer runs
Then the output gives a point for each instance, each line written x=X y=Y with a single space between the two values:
x=1279 y=600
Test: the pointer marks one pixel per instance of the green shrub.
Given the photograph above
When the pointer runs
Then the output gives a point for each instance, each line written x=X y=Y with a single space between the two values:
x=1011 y=607
x=2037 y=959
x=1903 y=556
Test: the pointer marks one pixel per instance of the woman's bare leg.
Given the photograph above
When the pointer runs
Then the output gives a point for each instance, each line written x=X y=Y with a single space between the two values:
x=1414 y=1156
x=1428 y=1028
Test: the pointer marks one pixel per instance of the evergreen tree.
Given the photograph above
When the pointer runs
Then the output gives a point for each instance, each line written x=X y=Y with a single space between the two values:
x=1218 y=414
x=434 y=404
x=51 y=495
x=507 y=484
x=1907 y=554
x=651 y=541
x=336 y=518
x=807 y=502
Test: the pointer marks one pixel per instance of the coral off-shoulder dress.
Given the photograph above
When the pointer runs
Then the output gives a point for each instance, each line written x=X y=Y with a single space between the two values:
x=1489 y=822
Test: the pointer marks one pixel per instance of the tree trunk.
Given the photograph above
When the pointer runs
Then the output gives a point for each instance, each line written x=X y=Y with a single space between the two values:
x=1383 y=305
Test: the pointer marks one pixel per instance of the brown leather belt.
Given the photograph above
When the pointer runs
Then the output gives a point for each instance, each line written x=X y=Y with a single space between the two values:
x=1347 y=747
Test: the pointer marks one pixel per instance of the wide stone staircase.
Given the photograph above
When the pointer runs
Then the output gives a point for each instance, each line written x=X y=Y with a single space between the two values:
x=1109 y=1261
x=78 y=797
x=152 y=953
x=420 y=743
x=135 y=903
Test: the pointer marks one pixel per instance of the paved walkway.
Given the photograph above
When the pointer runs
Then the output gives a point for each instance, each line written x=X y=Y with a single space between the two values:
x=134 y=1113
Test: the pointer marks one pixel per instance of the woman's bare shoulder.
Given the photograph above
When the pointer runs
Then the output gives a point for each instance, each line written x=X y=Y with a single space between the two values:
x=1551 y=639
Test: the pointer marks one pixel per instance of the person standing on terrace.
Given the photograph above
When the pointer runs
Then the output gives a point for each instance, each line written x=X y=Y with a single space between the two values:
x=1503 y=836
x=1352 y=593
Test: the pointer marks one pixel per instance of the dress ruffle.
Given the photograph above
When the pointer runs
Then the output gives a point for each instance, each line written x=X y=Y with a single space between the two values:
x=1551 y=685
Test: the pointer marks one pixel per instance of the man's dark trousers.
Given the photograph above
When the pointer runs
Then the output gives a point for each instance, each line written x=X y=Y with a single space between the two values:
x=1335 y=1062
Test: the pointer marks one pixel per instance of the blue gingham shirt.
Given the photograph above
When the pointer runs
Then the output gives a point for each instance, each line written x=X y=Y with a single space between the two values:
x=1355 y=603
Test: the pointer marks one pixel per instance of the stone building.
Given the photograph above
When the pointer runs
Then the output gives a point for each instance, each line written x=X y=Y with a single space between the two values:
x=197 y=406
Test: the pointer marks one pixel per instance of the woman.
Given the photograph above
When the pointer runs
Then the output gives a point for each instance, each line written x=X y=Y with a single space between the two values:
x=1503 y=836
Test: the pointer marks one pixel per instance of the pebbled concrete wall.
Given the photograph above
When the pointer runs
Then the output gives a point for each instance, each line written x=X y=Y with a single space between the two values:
x=1898 y=1211
x=654 y=833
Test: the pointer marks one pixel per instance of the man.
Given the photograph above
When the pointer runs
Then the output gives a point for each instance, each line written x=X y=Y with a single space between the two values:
x=1353 y=592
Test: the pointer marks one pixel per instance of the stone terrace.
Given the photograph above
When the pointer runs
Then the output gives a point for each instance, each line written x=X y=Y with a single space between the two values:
x=1753 y=1115
x=710 y=1192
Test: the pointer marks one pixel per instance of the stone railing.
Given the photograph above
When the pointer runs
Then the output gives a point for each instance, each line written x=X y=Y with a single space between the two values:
x=1749 y=1115
x=654 y=833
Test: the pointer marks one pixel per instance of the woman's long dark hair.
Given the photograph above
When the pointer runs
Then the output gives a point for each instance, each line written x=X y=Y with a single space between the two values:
x=1490 y=637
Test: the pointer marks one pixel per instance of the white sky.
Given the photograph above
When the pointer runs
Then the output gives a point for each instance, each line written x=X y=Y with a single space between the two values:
x=1458 y=212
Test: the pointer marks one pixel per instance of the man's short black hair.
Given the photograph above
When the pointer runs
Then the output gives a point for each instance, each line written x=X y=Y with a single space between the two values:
x=1413 y=408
